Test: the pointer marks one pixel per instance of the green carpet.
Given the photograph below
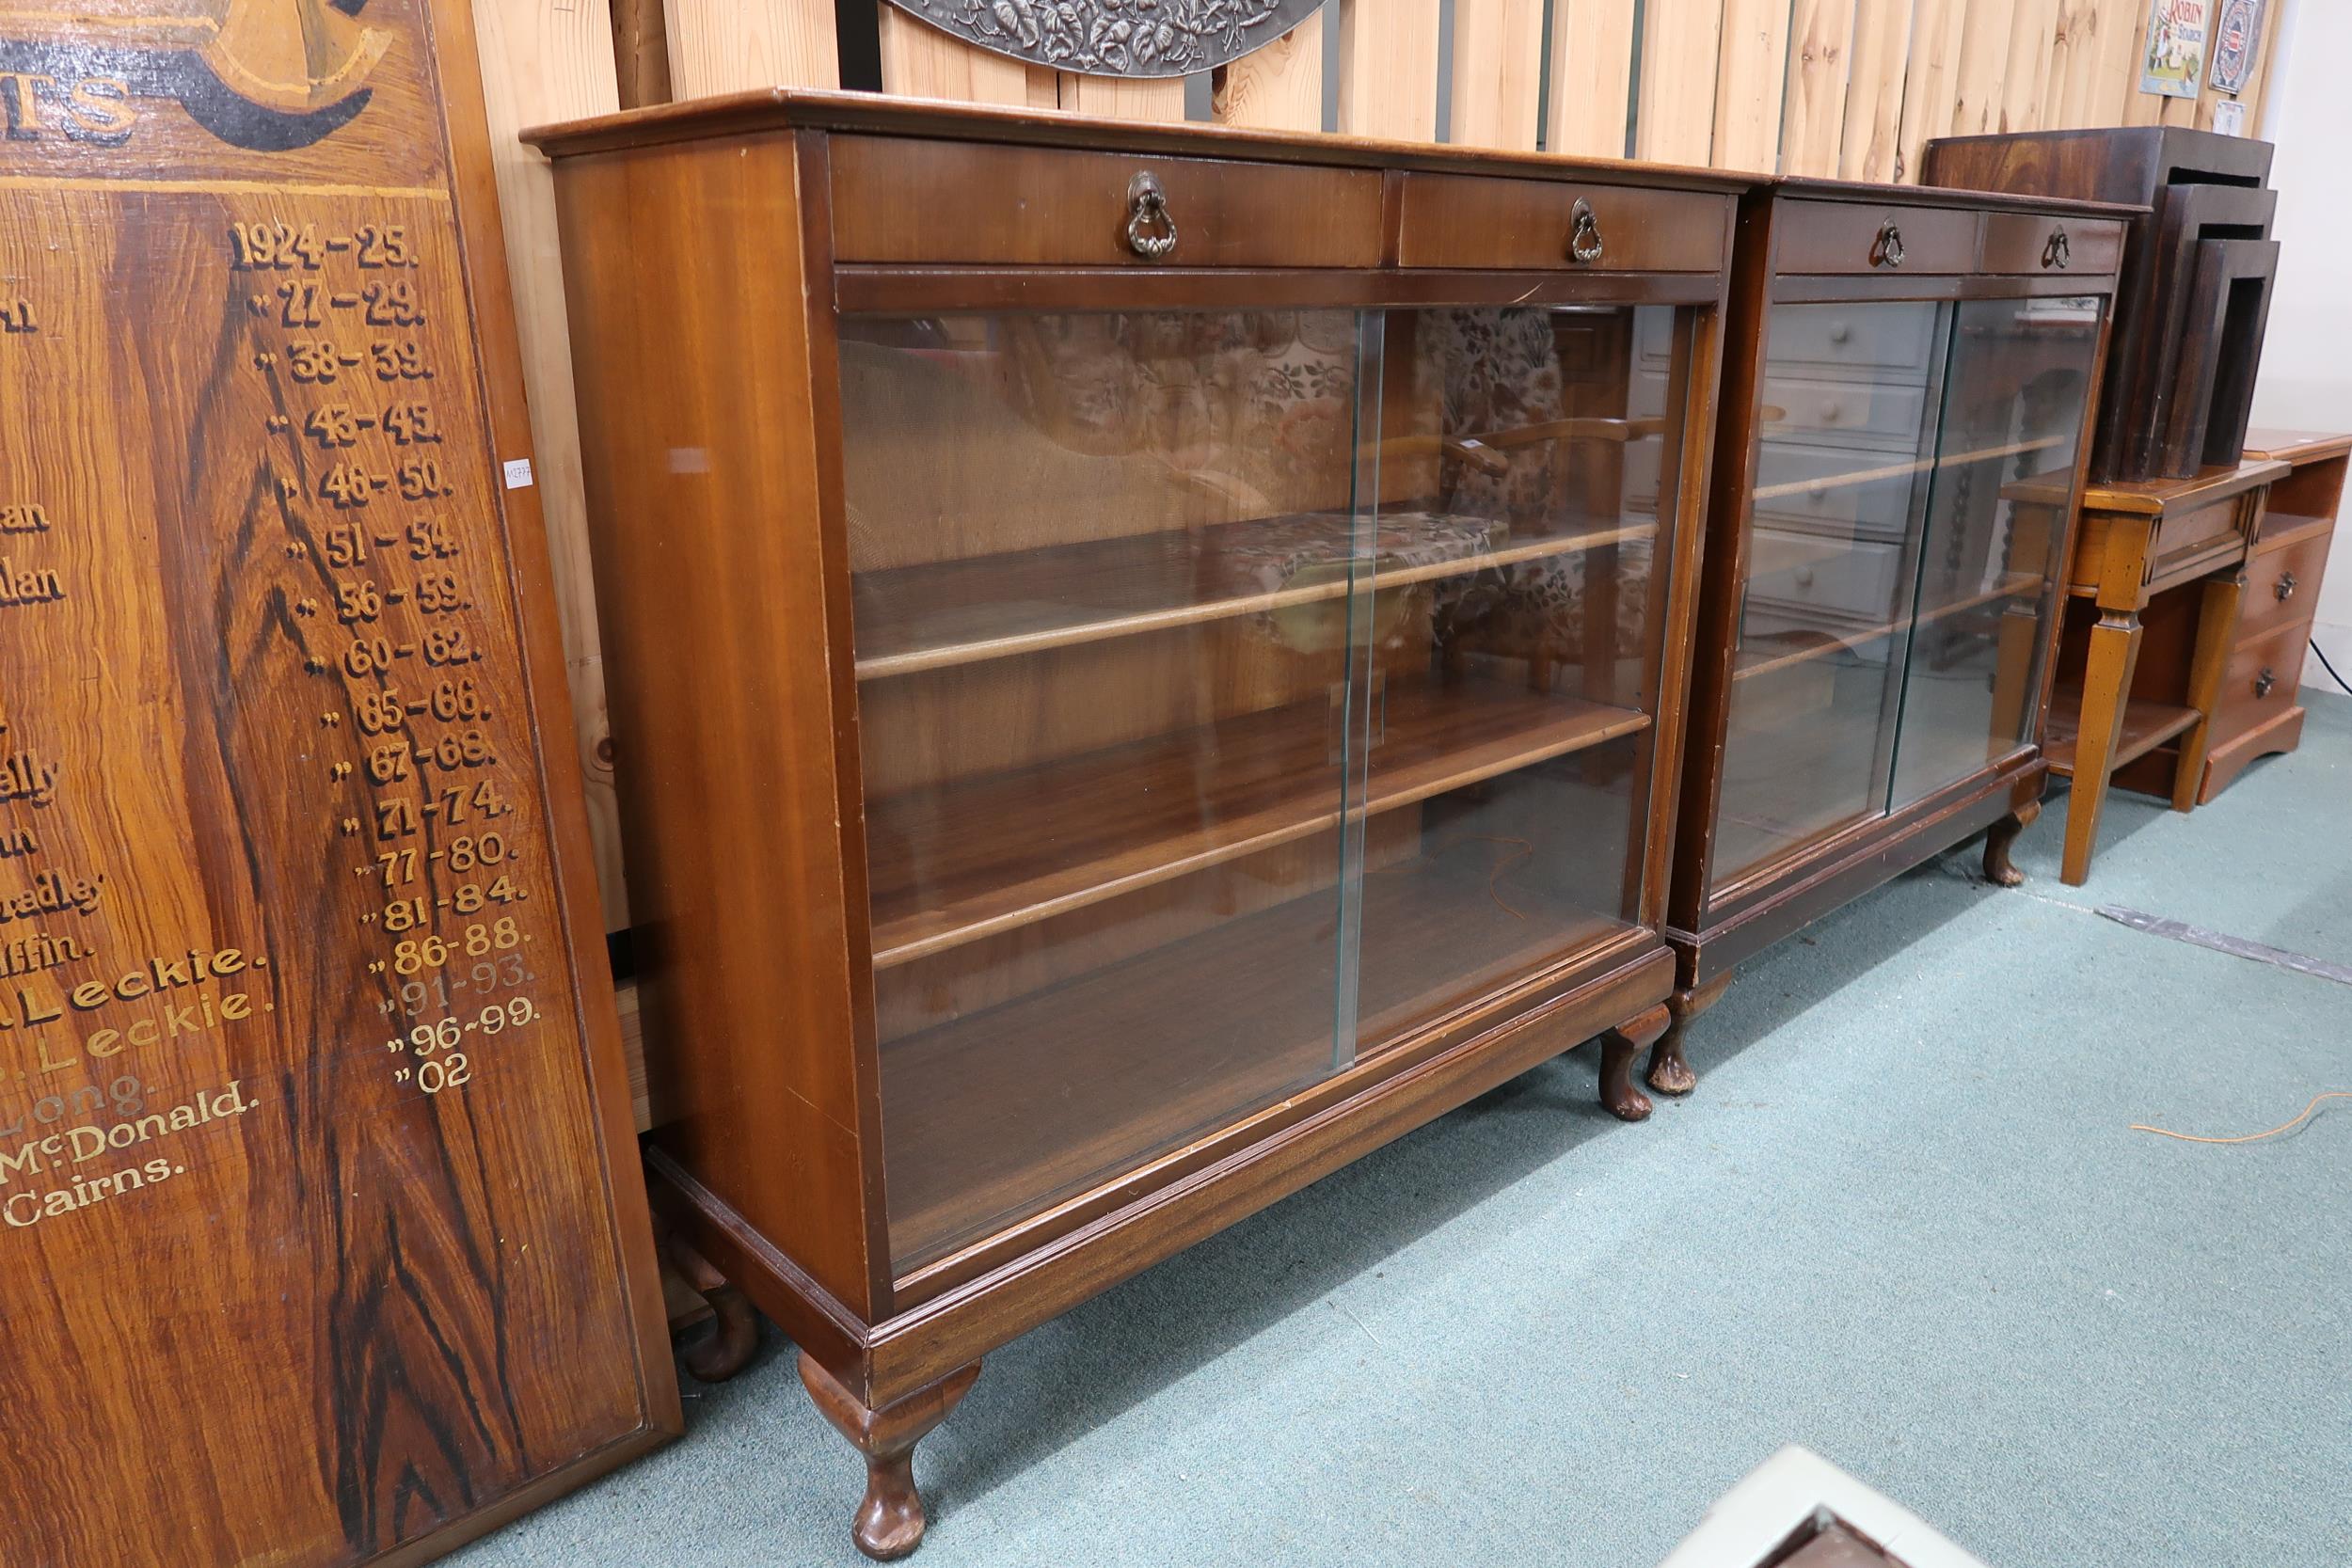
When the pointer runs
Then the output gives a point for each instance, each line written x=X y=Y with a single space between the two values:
x=1902 y=1222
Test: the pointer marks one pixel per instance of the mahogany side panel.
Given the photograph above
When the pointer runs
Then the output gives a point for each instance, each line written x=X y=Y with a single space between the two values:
x=710 y=574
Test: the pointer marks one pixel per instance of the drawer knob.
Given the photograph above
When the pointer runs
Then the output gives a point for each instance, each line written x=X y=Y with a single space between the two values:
x=2057 y=253
x=1887 y=249
x=1839 y=332
x=2264 y=682
x=1151 y=231
x=1805 y=577
x=2286 y=587
x=1584 y=243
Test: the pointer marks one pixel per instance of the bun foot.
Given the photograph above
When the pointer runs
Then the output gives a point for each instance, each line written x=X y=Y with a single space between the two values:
x=890 y=1521
x=1618 y=1047
x=1998 y=869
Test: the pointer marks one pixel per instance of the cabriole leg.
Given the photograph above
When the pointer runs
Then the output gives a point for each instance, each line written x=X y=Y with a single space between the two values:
x=1998 y=869
x=890 y=1522
x=1618 y=1047
x=1669 y=1068
x=734 y=1335
x=729 y=1349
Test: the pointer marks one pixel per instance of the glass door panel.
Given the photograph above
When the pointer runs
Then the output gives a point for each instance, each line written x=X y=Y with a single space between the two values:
x=1844 y=456
x=2016 y=386
x=1101 y=576
x=1509 y=609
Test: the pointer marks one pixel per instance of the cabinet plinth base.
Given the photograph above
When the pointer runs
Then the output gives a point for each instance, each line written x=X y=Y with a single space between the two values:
x=890 y=1522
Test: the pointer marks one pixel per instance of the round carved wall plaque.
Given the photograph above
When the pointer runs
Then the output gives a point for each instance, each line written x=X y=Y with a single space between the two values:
x=1116 y=38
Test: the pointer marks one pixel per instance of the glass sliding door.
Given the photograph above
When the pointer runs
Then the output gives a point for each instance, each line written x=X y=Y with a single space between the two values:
x=1102 y=578
x=2015 y=398
x=1510 y=606
x=1843 y=464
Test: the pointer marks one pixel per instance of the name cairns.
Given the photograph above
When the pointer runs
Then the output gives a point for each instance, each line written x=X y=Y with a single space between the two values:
x=62 y=1156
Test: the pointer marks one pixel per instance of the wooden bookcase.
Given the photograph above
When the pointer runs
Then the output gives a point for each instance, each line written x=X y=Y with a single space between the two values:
x=1906 y=368
x=1148 y=662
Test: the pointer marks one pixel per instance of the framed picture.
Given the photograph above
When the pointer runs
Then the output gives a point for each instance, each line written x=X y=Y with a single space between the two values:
x=2236 y=34
x=2173 y=63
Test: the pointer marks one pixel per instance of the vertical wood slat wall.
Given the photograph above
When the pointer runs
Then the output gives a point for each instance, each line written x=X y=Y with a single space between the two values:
x=1845 y=87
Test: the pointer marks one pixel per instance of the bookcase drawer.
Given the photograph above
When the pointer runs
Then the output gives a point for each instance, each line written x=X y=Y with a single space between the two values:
x=898 y=199
x=1458 y=220
x=2031 y=243
x=1854 y=237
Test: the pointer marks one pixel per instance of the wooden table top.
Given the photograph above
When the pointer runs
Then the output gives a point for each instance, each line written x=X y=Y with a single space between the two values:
x=2296 y=447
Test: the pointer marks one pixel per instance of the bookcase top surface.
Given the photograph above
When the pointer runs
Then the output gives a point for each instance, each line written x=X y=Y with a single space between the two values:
x=776 y=109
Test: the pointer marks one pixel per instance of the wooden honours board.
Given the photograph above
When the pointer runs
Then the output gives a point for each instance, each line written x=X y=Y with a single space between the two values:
x=321 y=1238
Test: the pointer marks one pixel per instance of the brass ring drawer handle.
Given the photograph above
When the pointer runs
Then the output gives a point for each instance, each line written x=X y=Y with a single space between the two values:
x=1147 y=211
x=2264 y=682
x=2286 y=587
x=1584 y=242
x=2059 y=252
x=1887 y=249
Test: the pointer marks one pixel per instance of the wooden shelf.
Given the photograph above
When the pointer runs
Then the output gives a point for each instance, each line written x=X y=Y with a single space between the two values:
x=1896 y=470
x=944 y=871
x=916 y=618
x=2146 y=726
x=999 y=1114
x=1764 y=657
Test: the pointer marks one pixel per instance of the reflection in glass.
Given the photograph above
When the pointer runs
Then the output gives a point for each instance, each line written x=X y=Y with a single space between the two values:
x=1988 y=573
x=1847 y=437
x=1895 y=593
x=1233 y=687
x=1511 y=692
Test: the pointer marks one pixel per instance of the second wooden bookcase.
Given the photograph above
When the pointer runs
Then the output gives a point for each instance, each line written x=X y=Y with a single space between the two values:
x=1877 y=614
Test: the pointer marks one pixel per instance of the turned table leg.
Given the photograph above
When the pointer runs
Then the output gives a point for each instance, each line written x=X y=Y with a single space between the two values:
x=2107 y=688
x=1998 y=869
x=1669 y=1068
x=890 y=1522
x=1618 y=1047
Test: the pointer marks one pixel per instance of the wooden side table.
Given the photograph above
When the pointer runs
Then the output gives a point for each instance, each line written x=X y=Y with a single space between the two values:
x=2256 y=713
x=2135 y=543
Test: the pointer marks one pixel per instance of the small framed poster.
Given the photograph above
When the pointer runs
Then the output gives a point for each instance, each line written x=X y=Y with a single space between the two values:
x=2236 y=34
x=2173 y=63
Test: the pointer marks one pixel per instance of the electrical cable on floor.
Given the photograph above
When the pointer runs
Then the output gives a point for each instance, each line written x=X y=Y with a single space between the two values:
x=2331 y=669
x=2250 y=1137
